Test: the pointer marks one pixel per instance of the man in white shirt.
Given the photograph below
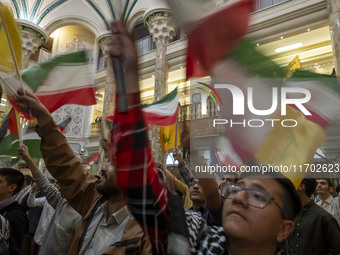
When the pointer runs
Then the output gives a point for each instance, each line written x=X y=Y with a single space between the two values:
x=324 y=189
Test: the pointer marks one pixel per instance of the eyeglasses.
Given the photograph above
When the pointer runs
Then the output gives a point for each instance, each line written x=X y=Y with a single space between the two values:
x=193 y=183
x=254 y=197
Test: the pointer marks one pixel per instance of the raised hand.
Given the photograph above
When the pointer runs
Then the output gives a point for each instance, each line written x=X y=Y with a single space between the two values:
x=23 y=153
x=28 y=101
x=123 y=47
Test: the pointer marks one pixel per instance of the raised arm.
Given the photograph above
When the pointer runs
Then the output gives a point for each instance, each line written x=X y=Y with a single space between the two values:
x=32 y=201
x=77 y=186
x=182 y=167
x=136 y=171
x=51 y=193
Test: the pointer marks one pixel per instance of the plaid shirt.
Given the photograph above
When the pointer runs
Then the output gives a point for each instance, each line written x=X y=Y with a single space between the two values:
x=185 y=172
x=137 y=175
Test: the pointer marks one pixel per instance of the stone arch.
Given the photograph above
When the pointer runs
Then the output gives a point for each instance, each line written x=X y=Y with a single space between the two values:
x=71 y=20
x=138 y=16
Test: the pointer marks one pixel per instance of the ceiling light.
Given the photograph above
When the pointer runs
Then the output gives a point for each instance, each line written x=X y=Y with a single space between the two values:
x=289 y=47
x=281 y=37
x=257 y=44
x=308 y=29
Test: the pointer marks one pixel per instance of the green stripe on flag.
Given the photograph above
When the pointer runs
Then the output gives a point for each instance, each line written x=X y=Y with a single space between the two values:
x=255 y=62
x=36 y=75
x=7 y=143
x=327 y=80
x=10 y=145
x=165 y=99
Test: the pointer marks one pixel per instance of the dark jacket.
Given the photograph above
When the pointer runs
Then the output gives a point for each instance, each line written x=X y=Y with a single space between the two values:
x=18 y=222
x=315 y=232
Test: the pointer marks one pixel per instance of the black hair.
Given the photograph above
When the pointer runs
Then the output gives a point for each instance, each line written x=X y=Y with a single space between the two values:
x=13 y=176
x=290 y=197
x=310 y=185
x=337 y=189
x=28 y=179
x=330 y=184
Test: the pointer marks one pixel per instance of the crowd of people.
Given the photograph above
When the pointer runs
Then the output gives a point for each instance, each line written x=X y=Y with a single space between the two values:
x=139 y=207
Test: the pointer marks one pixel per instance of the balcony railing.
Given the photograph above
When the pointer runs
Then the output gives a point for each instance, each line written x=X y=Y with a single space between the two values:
x=145 y=45
x=194 y=111
x=261 y=4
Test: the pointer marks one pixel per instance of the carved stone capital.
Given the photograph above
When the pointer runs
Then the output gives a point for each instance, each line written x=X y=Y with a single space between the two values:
x=161 y=25
x=32 y=37
x=104 y=40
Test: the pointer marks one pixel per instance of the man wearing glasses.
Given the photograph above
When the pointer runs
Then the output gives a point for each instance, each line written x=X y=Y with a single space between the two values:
x=257 y=217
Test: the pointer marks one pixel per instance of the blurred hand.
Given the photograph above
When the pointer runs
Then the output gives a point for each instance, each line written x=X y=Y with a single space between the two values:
x=34 y=188
x=23 y=152
x=123 y=47
x=30 y=102
x=177 y=154
x=105 y=144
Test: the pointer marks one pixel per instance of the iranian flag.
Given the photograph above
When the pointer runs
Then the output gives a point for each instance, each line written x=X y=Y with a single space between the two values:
x=249 y=77
x=94 y=160
x=325 y=95
x=9 y=142
x=64 y=79
x=214 y=36
x=164 y=111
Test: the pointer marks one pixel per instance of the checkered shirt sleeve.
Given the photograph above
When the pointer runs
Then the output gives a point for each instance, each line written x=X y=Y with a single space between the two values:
x=137 y=175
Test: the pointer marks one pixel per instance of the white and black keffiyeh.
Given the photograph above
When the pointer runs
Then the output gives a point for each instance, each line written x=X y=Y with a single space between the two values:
x=204 y=240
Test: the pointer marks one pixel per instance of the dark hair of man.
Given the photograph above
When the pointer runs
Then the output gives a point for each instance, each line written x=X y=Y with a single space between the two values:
x=310 y=185
x=28 y=179
x=13 y=176
x=330 y=184
x=290 y=197
x=337 y=189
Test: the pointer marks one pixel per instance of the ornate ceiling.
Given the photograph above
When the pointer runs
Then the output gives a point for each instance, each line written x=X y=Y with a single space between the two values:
x=97 y=13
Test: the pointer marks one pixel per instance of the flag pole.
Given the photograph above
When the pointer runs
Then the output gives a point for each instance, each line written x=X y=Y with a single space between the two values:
x=16 y=113
x=9 y=41
x=122 y=105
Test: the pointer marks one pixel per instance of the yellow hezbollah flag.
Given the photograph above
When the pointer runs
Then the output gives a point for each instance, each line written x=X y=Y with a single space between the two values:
x=293 y=65
x=8 y=24
x=292 y=147
x=167 y=136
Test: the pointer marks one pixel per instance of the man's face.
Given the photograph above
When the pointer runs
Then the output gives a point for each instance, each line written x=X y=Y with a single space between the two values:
x=322 y=187
x=196 y=192
x=107 y=184
x=242 y=221
x=5 y=189
x=227 y=178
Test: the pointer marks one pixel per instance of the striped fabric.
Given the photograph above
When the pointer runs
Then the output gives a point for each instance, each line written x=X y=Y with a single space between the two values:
x=64 y=79
x=137 y=175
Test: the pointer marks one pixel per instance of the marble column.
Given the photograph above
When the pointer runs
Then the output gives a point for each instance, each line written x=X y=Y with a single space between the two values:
x=32 y=37
x=162 y=30
x=110 y=89
x=333 y=8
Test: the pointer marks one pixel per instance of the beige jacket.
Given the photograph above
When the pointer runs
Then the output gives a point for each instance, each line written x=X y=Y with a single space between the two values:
x=79 y=188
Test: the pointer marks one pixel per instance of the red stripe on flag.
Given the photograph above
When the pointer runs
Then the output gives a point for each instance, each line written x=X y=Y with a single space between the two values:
x=215 y=37
x=160 y=120
x=83 y=96
x=12 y=123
